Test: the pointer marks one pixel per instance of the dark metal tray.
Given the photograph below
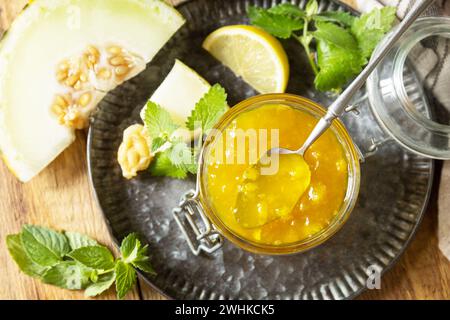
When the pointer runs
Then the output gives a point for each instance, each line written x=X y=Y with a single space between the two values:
x=394 y=190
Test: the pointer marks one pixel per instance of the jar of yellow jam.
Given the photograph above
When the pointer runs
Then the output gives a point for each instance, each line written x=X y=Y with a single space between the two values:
x=230 y=165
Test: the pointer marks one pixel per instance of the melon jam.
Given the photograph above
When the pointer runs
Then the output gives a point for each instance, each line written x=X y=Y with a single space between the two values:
x=232 y=153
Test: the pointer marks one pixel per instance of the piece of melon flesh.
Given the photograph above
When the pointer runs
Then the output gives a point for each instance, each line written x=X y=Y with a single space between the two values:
x=178 y=94
x=48 y=32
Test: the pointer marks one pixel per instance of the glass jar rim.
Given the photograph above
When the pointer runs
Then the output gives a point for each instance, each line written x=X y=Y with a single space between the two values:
x=394 y=110
x=352 y=185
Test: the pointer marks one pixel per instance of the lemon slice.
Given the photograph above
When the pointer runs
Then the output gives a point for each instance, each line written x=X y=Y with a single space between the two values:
x=252 y=54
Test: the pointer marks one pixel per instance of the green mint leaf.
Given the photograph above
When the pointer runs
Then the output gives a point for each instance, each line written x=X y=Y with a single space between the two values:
x=158 y=121
x=142 y=261
x=129 y=247
x=342 y=18
x=44 y=246
x=288 y=9
x=192 y=168
x=181 y=155
x=78 y=240
x=209 y=109
x=25 y=264
x=162 y=166
x=125 y=278
x=103 y=283
x=68 y=275
x=312 y=7
x=370 y=28
x=94 y=276
x=157 y=143
x=335 y=35
x=133 y=252
x=337 y=66
x=95 y=257
x=145 y=266
x=278 y=25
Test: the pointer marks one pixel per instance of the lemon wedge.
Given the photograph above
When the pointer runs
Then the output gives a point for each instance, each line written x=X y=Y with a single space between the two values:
x=252 y=54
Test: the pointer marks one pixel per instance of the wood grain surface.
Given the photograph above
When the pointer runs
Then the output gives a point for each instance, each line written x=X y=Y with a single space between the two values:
x=60 y=197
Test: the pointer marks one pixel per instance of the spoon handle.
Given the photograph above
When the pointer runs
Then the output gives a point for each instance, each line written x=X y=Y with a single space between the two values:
x=337 y=108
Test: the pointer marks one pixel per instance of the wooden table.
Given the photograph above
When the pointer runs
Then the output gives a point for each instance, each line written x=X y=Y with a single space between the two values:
x=60 y=197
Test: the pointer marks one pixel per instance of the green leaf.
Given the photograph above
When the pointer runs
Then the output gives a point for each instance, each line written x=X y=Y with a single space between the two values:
x=288 y=9
x=209 y=109
x=104 y=283
x=133 y=252
x=343 y=18
x=278 y=25
x=337 y=66
x=157 y=143
x=94 y=276
x=125 y=278
x=145 y=266
x=142 y=261
x=158 y=121
x=78 y=240
x=25 y=264
x=162 y=166
x=44 y=246
x=68 y=275
x=129 y=247
x=192 y=168
x=95 y=257
x=312 y=7
x=181 y=155
x=335 y=35
x=370 y=28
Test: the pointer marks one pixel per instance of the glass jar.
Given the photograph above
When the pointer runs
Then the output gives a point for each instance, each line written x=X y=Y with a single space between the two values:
x=203 y=227
x=399 y=101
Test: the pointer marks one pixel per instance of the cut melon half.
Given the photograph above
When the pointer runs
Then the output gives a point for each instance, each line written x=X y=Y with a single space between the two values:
x=59 y=59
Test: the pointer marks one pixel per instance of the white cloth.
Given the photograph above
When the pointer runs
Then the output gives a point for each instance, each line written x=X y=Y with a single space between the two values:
x=434 y=69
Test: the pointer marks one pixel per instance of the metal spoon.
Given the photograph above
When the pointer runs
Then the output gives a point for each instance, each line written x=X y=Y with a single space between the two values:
x=251 y=209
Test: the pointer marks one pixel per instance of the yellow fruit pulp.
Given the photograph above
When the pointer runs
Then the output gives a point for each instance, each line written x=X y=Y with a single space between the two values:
x=316 y=207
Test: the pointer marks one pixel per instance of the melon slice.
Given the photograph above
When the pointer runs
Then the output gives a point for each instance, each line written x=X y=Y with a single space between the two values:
x=59 y=59
x=179 y=93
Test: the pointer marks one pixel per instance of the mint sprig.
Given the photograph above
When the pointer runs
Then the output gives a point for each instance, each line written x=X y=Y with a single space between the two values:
x=76 y=262
x=337 y=44
x=209 y=109
x=174 y=157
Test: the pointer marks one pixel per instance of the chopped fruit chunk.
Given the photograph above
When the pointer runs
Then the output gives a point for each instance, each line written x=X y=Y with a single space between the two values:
x=77 y=57
x=266 y=191
x=134 y=153
x=317 y=192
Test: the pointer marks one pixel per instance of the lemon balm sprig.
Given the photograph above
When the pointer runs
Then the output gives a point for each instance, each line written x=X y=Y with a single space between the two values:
x=74 y=261
x=306 y=38
x=337 y=44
